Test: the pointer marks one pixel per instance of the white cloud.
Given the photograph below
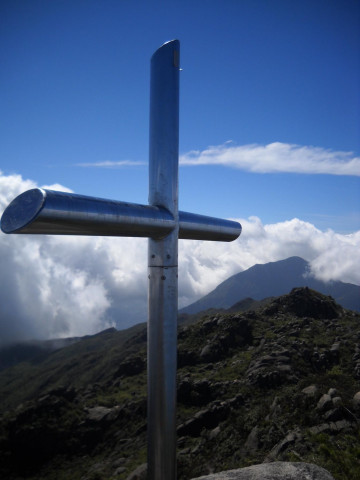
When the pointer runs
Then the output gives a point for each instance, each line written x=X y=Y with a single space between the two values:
x=58 y=187
x=276 y=157
x=112 y=164
x=54 y=286
x=272 y=158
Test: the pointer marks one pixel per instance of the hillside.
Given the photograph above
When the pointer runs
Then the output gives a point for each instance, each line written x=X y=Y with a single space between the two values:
x=271 y=280
x=273 y=384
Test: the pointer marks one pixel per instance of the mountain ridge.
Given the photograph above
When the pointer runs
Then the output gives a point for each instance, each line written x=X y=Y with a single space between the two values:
x=271 y=280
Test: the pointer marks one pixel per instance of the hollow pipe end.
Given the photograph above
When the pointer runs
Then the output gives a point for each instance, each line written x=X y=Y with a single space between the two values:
x=22 y=210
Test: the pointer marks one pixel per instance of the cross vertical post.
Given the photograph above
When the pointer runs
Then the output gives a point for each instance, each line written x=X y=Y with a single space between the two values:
x=163 y=264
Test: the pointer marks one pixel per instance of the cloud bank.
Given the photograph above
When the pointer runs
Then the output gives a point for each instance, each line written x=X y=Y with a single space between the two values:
x=54 y=286
x=276 y=157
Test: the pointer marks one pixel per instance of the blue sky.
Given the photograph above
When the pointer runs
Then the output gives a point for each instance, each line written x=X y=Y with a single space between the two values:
x=74 y=89
x=269 y=135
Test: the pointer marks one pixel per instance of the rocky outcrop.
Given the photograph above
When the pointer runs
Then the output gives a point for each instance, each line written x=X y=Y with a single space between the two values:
x=304 y=302
x=271 y=370
x=131 y=366
x=209 y=418
x=273 y=471
x=212 y=339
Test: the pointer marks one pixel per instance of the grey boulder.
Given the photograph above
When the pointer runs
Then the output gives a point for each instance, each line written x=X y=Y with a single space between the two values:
x=273 y=471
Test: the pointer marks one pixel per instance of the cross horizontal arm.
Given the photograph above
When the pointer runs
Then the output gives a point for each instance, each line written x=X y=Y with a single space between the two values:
x=193 y=226
x=40 y=211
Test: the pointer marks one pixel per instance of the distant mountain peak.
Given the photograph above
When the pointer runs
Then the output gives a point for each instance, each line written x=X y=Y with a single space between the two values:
x=272 y=280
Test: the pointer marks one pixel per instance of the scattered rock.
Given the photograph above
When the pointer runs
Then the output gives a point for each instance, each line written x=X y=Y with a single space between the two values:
x=337 y=401
x=200 y=392
x=335 y=352
x=140 y=473
x=208 y=418
x=308 y=397
x=333 y=427
x=252 y=441
x=68 y=393
x=324 y=359
x=214 y=432
x=97 y=414
x=325 y=403
x=356 y=401
x=132 y=365
x=271 y=370
x=332 y=392
x=310 y=391
x=233 y=331
x=211 y=352
x=186 y=357
x=334 y=415
x=101 y=414
x=119 y=470
x=290 y=440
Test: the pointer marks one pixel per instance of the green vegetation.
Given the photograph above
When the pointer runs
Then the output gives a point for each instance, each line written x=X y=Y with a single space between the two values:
x=339 y=454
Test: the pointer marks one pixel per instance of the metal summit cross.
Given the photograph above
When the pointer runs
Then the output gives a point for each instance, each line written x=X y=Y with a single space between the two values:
x=39 y=211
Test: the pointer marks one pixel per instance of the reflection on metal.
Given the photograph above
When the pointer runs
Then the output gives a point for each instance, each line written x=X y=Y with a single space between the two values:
x=48 y=212
x=163 y=263
x=58 y=213
x=40 y=211
x=201 y=227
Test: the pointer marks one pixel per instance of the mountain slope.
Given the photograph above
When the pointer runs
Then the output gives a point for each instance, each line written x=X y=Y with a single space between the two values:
x=279 y=383
x=271 y=280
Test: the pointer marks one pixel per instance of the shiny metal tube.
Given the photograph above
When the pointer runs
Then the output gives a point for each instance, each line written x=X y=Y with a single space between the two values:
x=48 y=212
x=163 y=263
x=201 y=227
x=40 y=211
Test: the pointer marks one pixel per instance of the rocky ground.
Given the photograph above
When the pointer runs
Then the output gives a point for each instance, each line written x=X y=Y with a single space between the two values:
x=280 y=383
